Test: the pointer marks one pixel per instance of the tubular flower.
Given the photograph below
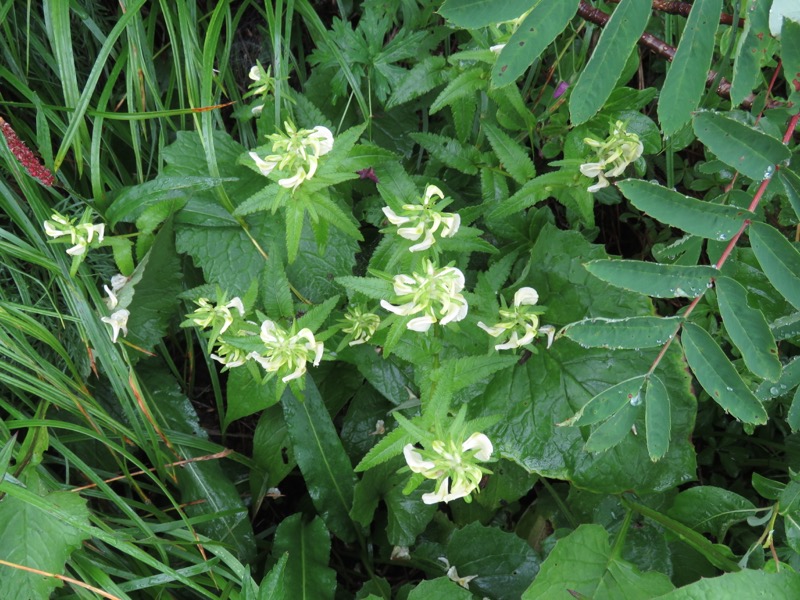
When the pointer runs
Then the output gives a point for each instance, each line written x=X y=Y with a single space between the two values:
x=117 y=283
x=229 y=356
x=283 y=351
x=453 y=466
x=452 y=573
x=425 y=219
x=297 y=151
x=520 y=322
x=118 y=322
x=613 y=155
x=80 y=235
x=436 y=293
x=362 y=325
x=210 y=315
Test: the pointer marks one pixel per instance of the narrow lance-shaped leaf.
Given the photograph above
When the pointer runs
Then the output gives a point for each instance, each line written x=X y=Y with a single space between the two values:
x=686 y=78
x=719 y=377
x=463 y=86
x=751 y=50
x=740 y=146
x=544 y=23
x=790 y=54
x=791 y=183
x=321 y=457
x=748 y=329
x=658 y=418
x=793 y=418
x=708 y=220
x=607 y=403
x=653 y=279
x=630 y=333
x=601 y=73
x=779 y=259
x=611 y=432
x=471 y=14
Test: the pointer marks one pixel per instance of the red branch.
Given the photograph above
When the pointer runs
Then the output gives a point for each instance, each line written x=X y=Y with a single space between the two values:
x=24 y=155
x=660 y=47
x=672 y=7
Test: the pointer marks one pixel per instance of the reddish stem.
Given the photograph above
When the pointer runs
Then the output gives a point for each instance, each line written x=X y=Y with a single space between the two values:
x=673 y=7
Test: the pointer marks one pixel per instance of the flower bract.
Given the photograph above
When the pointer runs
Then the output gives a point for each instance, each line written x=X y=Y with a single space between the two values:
x=284 y=351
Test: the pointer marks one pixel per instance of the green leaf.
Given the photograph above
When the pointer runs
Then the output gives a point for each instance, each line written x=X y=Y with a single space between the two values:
x=545 y=22
x=450 y=152
x=790 y=54
x=584 y=563
x=39 y=539
x=686 y=78
x=612 y=431
x=246 y=396
x=790 y=498
x=462 y=87
x=275 y=292
x=608 y=403
x=709 y=509
x=513 y=157
x=390 y=446
x=407 y=516
x=421 y=79
x=440 y=587
x=272 y=449
x=5 y=455
x=504 y=563
x=791 y=183
x=749 y=151
x=471 y=14
x=719 y=377
x=653 y=279
x=322 y=460
x=630 y=333
x=705 y=219
x=779 y=260
x=751 y=51
x=155 y=294
x=748 y=583
x=273 y=586
x=333 y=214
x=295 y=217
x=371 y=287
x=748 y=329
x=793 y=418
x=553 y=384
x=307 y=574
x=600 y=75
x=657 y=418
x=206 y=488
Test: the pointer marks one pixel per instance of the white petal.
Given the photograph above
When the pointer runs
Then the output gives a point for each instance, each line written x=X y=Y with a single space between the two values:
x=526 y=295
x=255 y=73
x=324 y=137
x=118 y=322
x=237 y=304
x=451 y=224
x=421 y=323
x=592 y=169
x=426 y=243
x=393 y=217
x=111 y=301
x=479 y=440
x=550 y=332
x=298 y=372
x=415 y=461
x=497 y=48
x=432 y=191
x=264 y=166
x=412 y=233
x=493 y=331
x=76 y=250
x=294 y=181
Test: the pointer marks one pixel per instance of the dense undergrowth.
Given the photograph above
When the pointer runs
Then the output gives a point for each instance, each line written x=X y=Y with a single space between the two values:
x=401 y=299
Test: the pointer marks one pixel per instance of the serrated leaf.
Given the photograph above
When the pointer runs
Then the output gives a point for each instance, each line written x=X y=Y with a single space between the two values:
x=544 y=23
x=613 y=430
x=371 y=287
x=653 y=279
x=276 y=294
x=462 y=87
x=505 y=565
x=390 y=446
x=657 y=418
x=322 y=460
x=263 y=200
x=38 y=539
x=471 y=14
x=421 y=79
x=463 y=111
x=273 y=586
x=608 y=402
x=686 y=78
x=451 y=152
x=629 y=333
x=600 y=75
x=779 y=260
x=719 y=377
x=748 y=150
x=705 y=219
x=584 y=563
x=748 y=329
x=307 y=574
x=513 y=157
x=334 y=215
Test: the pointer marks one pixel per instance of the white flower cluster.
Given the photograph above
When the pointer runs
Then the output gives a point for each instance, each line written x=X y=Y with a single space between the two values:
x=297 y=151
x=435 y=292
x=279 y=351
x=361 y=325
x=453 y=465
x=423 y=220
x=81 y=236
x=262 y=84
x=520 y=322
x=613 y=155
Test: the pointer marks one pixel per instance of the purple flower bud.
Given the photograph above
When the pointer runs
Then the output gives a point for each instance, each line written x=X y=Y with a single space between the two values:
x=562 y=87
